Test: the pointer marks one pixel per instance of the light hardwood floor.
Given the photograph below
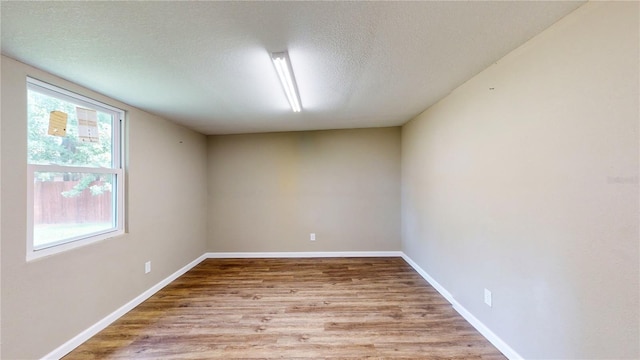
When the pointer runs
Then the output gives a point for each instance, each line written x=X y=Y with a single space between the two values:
x=337 y=308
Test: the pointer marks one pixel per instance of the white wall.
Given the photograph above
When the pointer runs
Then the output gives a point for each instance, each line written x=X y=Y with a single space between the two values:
x=48 y=301
x=268 y=192
x=525 y=181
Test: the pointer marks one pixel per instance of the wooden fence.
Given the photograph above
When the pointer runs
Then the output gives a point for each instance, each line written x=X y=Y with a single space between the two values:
x=51 y=207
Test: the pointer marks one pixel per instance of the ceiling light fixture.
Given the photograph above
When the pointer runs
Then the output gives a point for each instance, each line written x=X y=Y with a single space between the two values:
x=282 y=64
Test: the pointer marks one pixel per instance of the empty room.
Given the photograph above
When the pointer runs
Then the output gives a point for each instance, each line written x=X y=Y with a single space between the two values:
x=320 y=180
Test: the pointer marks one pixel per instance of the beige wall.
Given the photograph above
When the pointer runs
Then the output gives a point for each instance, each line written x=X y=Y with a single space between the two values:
x=267 y=192
x=0 y=217
x=48 y=301
x=525 y=181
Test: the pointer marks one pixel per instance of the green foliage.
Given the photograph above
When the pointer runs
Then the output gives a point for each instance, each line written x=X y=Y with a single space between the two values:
x=64 y=150
x=96 y=185
x=45 y=149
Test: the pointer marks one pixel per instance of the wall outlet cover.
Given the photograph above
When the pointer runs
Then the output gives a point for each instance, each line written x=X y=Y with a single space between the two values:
x=487 y=298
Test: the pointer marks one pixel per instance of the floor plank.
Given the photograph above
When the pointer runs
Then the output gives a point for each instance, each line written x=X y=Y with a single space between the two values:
x=328 y=308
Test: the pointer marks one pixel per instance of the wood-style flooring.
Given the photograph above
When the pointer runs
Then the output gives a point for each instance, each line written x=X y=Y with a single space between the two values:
x=329 y=308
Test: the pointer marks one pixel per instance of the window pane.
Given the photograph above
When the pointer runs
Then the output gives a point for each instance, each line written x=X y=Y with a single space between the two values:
x=69 y=150
x=70 y=205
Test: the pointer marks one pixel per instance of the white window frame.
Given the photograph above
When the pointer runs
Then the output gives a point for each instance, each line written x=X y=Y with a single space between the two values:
x=117 y=170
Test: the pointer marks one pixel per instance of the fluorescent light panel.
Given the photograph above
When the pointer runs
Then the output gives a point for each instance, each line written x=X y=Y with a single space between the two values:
x=283 y=67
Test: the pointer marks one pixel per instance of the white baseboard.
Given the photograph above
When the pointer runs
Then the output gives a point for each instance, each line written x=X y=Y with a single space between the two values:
x=507 y=350
x=447 y=295
x=311 y=254
x=76 y=341
x=474 y=321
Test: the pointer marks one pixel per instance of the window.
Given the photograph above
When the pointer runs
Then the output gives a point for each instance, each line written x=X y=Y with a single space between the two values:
x=75 y=170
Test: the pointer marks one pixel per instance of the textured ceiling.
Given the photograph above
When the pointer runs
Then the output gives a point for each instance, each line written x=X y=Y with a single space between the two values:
x=207 y=64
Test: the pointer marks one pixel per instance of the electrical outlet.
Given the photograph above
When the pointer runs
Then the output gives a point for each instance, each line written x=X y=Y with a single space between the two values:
x=487 y=297
x=147 y=267
x=312 y=237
